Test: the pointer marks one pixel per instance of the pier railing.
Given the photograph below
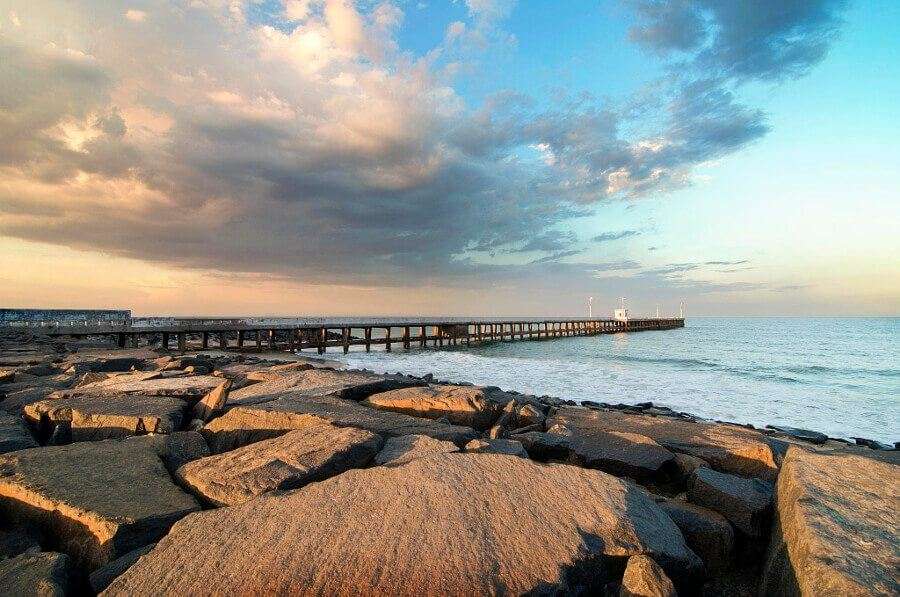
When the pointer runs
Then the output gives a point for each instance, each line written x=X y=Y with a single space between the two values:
x=236 y=333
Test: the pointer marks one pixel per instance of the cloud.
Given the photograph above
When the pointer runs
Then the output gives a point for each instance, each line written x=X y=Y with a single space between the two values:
x=611 y=236
x=313 y=147
x=135 y=15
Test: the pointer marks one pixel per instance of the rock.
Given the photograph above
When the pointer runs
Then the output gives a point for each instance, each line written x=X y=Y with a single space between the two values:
x=726 y=447
x=102 y=577
x=351 y=385
x=14 y=542
x=448 y=524
x=45 y=574
x=462 y=405
x=871 y=443
x=182 y=447
x=745 y=502
x=403 y=449
x=619 y=453
x=96 y=416
x=684 y=466
x=528 y=415
x=213 y=402
x=835 y=530
x=706 y=532
x=7 y=375
x=286 y=462
x=94 y=501
x=644 y=578
x=509 y=447
x=545 y=446
x=13 y=434
x=188 y=388
x=241 y=425
x=42 y=370
x=90 y=377
x=813 y=437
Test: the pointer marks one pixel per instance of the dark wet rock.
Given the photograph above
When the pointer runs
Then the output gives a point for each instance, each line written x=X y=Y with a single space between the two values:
x=242 y=425
x=645 y=578
x=14 y=435
x=93 y=500
x=403 y=449
x=871 y=443
x=455 y=524
x=813 y=437
x=835 y=530
x=7 y=375
x=45 y=574
x=726 y=447
x=509 y=447
x=97 y=416
x=706 y=532
x=746 y=503
x=286 y=462
x=102 y=577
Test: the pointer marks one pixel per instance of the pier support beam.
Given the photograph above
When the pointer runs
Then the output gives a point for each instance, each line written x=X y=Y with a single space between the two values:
x=368 y=334
x=182 y=341
x=345 y=339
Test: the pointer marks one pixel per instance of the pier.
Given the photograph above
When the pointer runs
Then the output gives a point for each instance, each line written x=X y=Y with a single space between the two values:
x=186 y=334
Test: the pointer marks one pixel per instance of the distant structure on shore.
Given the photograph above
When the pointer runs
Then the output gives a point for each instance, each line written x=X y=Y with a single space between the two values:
x=63 y=316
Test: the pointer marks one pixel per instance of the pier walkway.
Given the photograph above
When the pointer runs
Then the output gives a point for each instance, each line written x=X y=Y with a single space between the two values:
x=274 y=335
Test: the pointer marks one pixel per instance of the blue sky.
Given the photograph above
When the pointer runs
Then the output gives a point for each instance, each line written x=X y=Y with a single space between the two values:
x=411 y=157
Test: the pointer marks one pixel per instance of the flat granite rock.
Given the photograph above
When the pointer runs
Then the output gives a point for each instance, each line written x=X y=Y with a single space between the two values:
x=510 y=447
x=836 y=527
x=351 y=385
x=14 y=435
x=616 y=452
x=93 y=500
x=403 y=449
x=644 y=578
x=96 y=416
x=46 y=574
x=449 y=524
x=746 y=503
x=461 y=405
x=241 y=425
x=287 y=462
x=725 y=447
x=191 y=388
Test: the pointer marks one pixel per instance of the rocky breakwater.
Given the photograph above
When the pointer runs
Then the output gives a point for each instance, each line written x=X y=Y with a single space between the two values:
x=177 y=474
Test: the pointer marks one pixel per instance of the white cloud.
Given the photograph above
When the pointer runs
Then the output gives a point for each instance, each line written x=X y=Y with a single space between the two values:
x=135 y=15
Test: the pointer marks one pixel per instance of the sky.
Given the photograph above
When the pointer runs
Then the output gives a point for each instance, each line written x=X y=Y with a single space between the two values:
x=468 y=157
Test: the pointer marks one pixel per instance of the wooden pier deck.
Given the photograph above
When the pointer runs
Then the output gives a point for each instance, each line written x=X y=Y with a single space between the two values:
x=198 y=333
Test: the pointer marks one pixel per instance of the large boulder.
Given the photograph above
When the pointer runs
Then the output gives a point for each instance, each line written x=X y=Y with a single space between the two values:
x=44 y=574
x=616 y=452
x=510 y=447
x=286 y=462
x=351 y=385
x=242 y=425
x=707 y=533
x=94 y=501
x=449 y=524
x=100 y=578
x=402 y=449
x=190 y=388
x=746 y=503
x=461 y=405
x=835 y=530
x=14 y=435
x=645 y=578
x=728 y=448
x=96 y=416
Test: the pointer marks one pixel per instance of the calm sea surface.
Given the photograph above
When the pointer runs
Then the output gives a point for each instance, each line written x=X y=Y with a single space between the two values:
x=837 y=376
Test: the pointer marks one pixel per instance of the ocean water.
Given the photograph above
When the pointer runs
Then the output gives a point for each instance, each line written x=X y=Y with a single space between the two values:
x=840 y=376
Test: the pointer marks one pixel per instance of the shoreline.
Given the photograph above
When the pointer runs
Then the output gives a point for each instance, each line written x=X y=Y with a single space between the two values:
x=146 y=444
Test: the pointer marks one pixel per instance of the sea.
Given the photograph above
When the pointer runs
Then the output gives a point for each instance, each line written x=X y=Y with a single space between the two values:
x=839 y=376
